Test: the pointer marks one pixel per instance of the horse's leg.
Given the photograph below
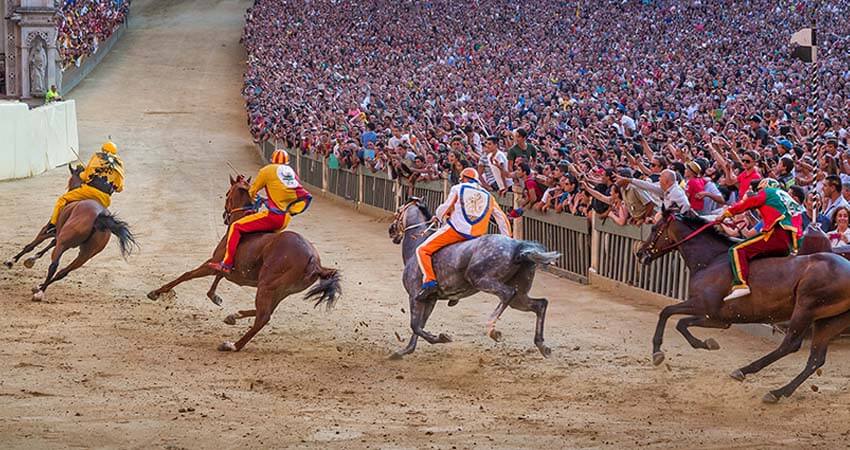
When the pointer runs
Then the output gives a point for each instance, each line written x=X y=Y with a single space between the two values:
x=38 y=291
x=231 y=319
x=265 y=304
x=823 y=331
x=680 y=308
x=211 y=293
x=414 y=338
x=39 y=238
x=419 y=316
x=29 y=262
x=91 y=247
x=800 y=322
x=700 y=321
x=504 y=292
x=538 y=306
x=199 y=272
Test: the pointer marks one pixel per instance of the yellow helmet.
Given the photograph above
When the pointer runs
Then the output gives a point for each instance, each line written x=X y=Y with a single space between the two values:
x=280 y=157
x=109 y=147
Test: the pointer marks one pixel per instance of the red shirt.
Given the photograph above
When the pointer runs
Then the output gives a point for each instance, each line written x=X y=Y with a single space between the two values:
x=744 y=179
x=531 y=185
x=695 y=186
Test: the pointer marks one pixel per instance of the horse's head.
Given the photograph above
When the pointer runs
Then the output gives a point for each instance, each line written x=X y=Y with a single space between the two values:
x=664 y=237
x=238 y=200
x=75 y=180
x=411 y=214
x=814 y=241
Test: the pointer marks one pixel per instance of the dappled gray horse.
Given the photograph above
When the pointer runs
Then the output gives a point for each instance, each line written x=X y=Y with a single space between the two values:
x=494 y=264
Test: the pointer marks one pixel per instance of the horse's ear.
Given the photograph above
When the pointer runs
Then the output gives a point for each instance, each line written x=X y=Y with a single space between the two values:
x=70 y=168
x=232 y=181
x=248 y=181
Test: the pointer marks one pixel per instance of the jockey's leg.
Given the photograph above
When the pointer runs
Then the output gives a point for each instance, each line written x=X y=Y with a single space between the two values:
x=740 y=256
x=261 y=221
x=84 y=192
x=443 y=237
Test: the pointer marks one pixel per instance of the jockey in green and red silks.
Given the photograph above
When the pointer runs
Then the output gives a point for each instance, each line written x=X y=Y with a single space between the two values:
x=778 y=236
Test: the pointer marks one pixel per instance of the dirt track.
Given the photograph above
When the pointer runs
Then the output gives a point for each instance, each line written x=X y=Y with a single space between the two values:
x=99 y=365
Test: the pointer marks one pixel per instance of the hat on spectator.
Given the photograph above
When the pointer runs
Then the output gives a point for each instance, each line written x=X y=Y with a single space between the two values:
x=785 y=143
x=694 y=167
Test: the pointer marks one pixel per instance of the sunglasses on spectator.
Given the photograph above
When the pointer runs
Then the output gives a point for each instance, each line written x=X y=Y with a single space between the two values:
x=747 y=161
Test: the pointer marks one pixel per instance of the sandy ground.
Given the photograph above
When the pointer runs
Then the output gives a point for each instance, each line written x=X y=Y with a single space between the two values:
x=99 y=365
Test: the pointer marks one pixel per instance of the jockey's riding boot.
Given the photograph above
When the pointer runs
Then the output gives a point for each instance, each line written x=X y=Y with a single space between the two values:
x=429 y=289
x=220 y=267
x=737 y=292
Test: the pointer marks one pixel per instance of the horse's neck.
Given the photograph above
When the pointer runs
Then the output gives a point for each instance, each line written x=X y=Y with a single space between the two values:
x=702 y=251
x=412 y=239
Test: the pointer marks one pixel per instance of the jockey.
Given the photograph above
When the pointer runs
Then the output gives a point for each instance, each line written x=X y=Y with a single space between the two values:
x=778 y=236
x=103 y=176
x=468 y=209
x=284 y=198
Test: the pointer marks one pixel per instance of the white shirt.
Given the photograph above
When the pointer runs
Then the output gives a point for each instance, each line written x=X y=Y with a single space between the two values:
x=674 y=198
x=494 y=166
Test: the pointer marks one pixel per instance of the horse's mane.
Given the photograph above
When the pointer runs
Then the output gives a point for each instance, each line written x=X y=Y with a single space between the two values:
x=693 y=221
x=424 y=209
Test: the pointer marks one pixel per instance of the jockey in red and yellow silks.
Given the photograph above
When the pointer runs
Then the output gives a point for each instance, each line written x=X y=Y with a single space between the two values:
x=103 y=176
x=778 y=236
x=285 y=197
x=468 y=208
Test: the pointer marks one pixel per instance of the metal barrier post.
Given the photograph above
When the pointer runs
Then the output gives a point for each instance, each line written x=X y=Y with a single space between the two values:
x=325 y=174
x=360 y=185
x=594 y=245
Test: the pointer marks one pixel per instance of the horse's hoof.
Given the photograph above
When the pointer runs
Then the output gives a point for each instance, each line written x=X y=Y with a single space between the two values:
x=453 y=302
x=737 y=375
x=153 y=295
x=227 y=347
x=9 y=264
x=396 y=356
x=544 y=350
x=29 y=262
x=657 y=358
x=230 y=320
x=215 y=299
x=711 y=344
x=495 y=334
x=38 y=296
x=770 y=397
x=36 y=289
x=444 y=338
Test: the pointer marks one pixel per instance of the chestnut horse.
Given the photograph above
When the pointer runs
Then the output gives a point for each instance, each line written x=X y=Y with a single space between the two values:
x=84 y=224
x=277 y=264
x=812 y=291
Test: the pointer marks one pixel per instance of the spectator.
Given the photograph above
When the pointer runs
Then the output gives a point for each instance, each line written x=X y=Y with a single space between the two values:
x=832 y=196
x=531 y=190
x=840 y=234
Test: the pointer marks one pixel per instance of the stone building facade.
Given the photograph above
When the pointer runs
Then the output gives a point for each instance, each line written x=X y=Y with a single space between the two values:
x=29 y=59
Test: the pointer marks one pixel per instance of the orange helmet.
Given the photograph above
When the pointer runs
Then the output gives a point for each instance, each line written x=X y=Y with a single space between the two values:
x=280 y=157
x=470 y=173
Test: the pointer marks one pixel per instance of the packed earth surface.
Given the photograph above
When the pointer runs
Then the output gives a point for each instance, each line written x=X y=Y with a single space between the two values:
x=97 y=364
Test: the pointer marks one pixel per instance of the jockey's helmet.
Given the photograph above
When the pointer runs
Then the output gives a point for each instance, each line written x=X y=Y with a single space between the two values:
x=469 y=173
x=768 y=183
x=109 y=147
x=280 y=157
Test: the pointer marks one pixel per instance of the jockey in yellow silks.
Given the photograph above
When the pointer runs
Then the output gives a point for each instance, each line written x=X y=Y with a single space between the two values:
x=103 y=176
x=285 y=197
x=468 y=208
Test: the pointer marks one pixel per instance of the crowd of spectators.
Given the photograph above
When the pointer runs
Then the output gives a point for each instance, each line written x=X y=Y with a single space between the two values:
x=84 y=24
x=608 y=107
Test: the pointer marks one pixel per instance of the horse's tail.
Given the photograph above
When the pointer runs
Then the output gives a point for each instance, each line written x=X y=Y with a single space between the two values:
x=327 y=290
x=535 y=253
x=105 y=221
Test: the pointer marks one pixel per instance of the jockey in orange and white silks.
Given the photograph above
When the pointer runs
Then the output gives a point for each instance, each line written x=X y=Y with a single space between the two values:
x=285 y=197
x=468 y=208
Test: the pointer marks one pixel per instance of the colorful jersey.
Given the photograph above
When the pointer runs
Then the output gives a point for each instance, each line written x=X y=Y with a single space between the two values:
x=105 y=172
x=469 y=208
x=280 y=184
x=775 y=206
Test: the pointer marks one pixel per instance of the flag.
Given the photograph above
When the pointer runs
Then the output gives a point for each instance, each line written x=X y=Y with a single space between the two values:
x=806 y=48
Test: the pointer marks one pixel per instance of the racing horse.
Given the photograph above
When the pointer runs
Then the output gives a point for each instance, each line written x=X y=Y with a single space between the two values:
x=493 y=264
x=85 y=224
x=277 y=264
x=810 y=291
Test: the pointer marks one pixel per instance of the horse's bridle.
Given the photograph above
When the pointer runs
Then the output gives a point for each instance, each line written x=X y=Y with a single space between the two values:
x=655 y=251
x=228 y=215
x=400 y=221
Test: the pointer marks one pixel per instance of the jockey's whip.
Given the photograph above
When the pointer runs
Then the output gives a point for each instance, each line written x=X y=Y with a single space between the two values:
x=75 y=154
x=234 y=169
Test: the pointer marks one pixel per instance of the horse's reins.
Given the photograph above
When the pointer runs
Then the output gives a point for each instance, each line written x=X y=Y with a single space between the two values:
x=693 y=234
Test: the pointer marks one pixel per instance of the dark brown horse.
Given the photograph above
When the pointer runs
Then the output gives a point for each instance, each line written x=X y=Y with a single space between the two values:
x=277 y=264
x=815 y=241
x=812 y=292
x=84 y=224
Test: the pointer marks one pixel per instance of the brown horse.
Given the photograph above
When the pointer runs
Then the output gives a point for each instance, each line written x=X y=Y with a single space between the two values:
x=84 y=224
x=812 y=292
x=277 y=264
x=815 y=240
